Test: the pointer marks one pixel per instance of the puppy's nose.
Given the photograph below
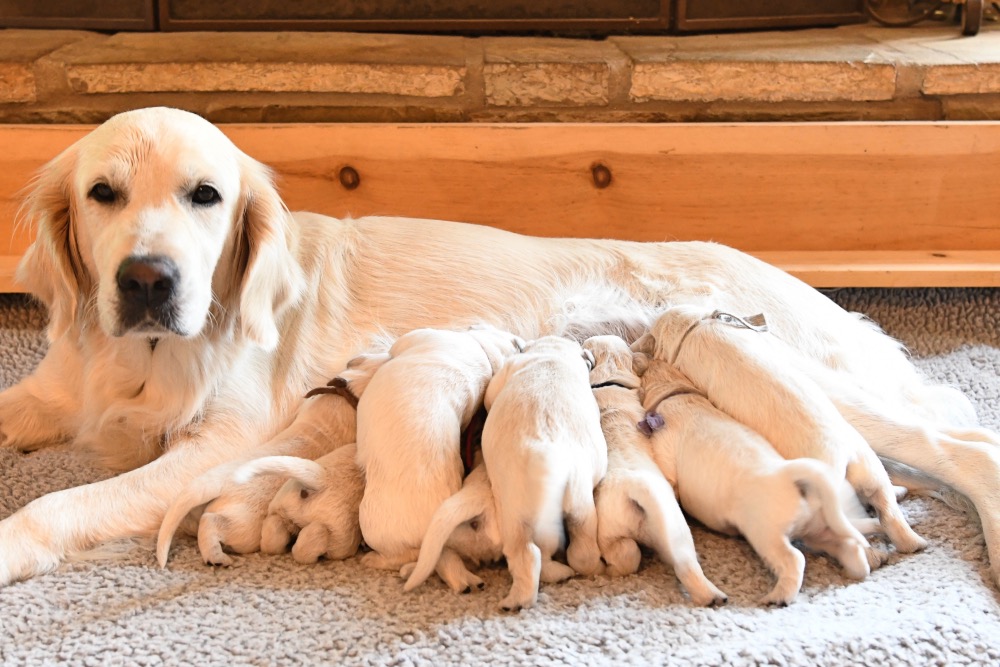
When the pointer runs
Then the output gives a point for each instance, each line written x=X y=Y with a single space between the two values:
x=147 y=281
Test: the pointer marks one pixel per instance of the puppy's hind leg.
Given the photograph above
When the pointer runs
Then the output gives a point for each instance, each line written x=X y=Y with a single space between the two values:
x=210 y=529
x=524 y=561
x=583 y=553
x=453 y=572
x=871 y=481
x=671 y=536
x=785 y=561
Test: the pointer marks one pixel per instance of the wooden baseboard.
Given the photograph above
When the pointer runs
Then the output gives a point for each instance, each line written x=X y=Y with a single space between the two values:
x=838 y=204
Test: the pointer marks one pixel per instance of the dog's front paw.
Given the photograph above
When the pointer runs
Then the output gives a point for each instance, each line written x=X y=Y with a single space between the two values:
x=22 y=555
x=25 y=423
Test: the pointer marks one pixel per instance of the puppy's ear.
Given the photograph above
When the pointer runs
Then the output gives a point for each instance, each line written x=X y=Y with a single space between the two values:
x=51 y=268
x=271 y=278
x=640 y=362
x=645 y=344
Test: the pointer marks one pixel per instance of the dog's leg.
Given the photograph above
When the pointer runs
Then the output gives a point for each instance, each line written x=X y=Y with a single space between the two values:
x=622 y=555
x=871 y=481
x=210 y=527
x=311 y=543
x=583 y=554
x=453 y=572
x=524 y=561
x=36 y=411
x=275 y=535
x=40 y=535
x=785 y=561
x=670 y=535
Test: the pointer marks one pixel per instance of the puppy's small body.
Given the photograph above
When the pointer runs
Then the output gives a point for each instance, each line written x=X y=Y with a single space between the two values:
x=732 y=480
x=752 y=376
x=545 y=453
x=412 y=407
x=635 y=503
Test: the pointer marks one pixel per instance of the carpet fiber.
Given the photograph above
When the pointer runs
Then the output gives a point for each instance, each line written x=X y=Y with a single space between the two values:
x=935 y=607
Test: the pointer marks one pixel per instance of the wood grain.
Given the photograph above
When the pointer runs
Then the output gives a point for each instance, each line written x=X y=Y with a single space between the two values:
x=809 y=195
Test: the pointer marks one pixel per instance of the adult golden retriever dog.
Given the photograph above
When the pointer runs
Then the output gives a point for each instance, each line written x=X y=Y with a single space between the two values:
x=190 y=311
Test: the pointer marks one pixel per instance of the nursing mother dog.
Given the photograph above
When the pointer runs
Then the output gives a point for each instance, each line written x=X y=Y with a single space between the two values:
x=190 y=311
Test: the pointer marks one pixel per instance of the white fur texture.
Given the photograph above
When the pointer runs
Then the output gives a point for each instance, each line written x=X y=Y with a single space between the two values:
x=635 y=503
x=751 y=376
x=294 y=296
x=411 y=412
x=730 y=478
x=545 y=452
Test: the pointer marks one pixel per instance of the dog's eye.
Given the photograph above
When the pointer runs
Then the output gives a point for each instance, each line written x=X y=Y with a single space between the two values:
x=102 y=192
x=205 y=195
x=474 y=524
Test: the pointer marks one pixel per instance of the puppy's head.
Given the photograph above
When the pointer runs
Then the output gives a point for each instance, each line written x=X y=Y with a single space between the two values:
x=613 y=361
x=497 y=344
x=151 y=219
x=665 y=334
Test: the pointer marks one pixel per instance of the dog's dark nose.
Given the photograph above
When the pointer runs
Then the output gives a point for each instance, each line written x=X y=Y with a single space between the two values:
x=148 y=281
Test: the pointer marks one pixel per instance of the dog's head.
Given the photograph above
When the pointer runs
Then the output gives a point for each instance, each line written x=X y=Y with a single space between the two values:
x=667 y=332
x=156 y=225
x=496 y=343
x=613 y=361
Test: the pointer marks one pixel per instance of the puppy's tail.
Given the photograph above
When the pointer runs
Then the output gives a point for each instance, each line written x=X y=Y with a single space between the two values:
x=306 y=472
x=203 y=489
x=464 y=505
x=814 y=478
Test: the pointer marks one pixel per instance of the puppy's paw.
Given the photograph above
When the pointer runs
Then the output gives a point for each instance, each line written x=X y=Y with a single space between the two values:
x=25 y=424
x=707 y=596
x=780 y=596
x=554 y=572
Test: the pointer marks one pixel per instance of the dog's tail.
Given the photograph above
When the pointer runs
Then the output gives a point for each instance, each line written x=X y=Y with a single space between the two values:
x=813 y=477
x=203 y=489
x=308 y=473
x=464 y=505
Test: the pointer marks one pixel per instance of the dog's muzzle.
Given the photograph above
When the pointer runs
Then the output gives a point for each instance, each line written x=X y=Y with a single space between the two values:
x=147 y=287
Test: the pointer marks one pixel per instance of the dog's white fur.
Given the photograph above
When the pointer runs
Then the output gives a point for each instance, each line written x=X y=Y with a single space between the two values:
x=235 y=381
x=635 y=503
x=545 y=453
x=412 y=407
x=732 y=480
x=749 y=375
x=466 y=523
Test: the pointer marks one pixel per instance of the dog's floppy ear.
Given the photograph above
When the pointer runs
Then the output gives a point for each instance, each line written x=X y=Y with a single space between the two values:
x=640 y=363
x=51 y=268
x=272 y=279
x=645 y=344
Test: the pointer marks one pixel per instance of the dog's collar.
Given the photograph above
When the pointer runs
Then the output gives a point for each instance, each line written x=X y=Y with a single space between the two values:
x=611 y=383
x=756 y=323
x=337 y=386
x=665 y=391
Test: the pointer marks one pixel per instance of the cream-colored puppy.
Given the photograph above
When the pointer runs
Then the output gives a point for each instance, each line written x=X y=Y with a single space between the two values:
x=411 y=412
x=730 y=478
x=226 y=514
x=545 y=453
x=635 y=503
x=318 y=504
x=751 y=375
x=467 y=524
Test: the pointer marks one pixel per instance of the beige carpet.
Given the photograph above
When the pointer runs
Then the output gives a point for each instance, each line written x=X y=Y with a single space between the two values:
x=933 y=608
